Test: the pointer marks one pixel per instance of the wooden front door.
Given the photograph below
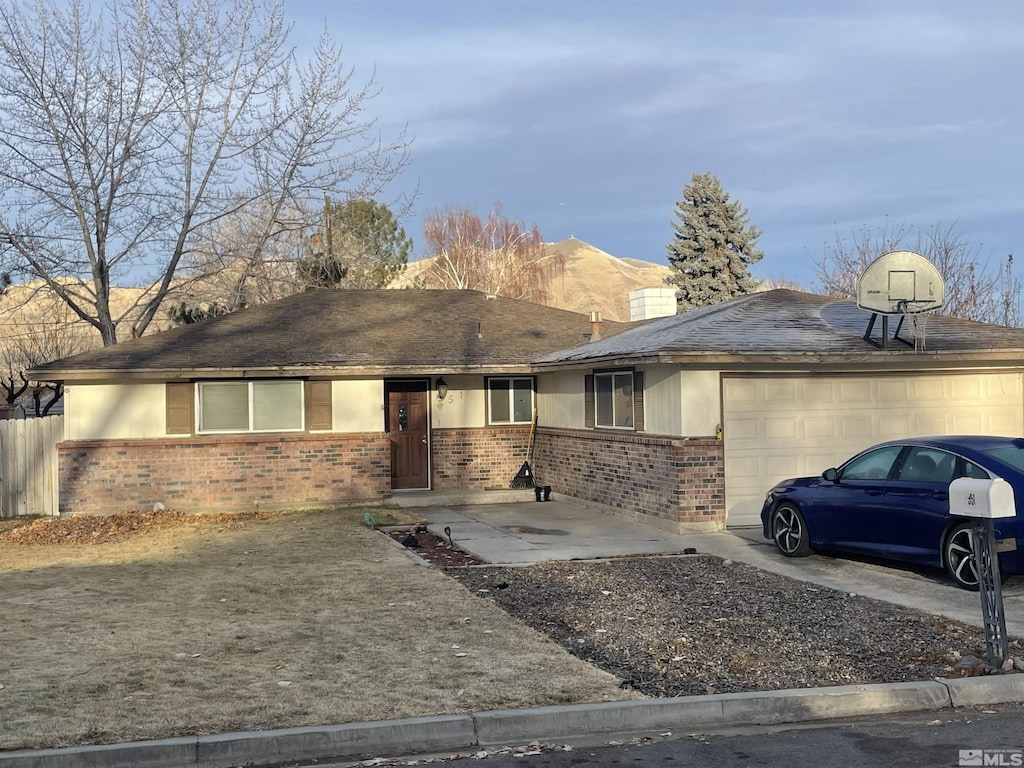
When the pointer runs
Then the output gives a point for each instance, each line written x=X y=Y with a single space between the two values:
x=408 y=428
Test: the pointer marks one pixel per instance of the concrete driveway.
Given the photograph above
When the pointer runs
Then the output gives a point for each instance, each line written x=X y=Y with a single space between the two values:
x=525 y=533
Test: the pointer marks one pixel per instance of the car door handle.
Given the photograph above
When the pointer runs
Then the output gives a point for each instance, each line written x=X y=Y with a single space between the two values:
x=874 y=492
x=940 y=495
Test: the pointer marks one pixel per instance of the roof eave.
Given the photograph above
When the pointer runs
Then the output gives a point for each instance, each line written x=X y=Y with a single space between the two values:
x=175 y=374
x=881 y=358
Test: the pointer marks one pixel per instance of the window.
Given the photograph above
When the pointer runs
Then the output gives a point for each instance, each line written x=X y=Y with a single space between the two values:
x=250 y=406
x=614 y=396
x=874 y=465
x=928 y=465
x=614 y=400
x=973 y=470
x=1014 y=456
x=510 y=401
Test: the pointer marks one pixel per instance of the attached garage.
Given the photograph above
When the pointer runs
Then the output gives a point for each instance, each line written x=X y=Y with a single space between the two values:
x=797 y=382
x=776 y=427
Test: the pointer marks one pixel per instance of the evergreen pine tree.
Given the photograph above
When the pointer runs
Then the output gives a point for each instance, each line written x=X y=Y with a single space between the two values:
x=712 y=248
x=360 y=245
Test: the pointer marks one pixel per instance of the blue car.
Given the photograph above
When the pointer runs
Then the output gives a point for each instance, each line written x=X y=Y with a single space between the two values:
x=892 y=501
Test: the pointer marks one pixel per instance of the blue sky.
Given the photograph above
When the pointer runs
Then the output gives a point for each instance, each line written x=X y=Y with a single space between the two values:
x=587 y=118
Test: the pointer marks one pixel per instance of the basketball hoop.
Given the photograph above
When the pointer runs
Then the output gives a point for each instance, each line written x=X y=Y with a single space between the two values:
x=900 y=283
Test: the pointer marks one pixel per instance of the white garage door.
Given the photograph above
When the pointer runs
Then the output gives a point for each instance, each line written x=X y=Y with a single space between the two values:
x=777 y=428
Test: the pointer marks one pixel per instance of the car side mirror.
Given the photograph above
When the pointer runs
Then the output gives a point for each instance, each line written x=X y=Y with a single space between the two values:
x=831 y=475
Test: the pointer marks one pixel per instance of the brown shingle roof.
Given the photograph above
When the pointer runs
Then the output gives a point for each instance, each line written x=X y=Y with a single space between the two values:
x=350 y=329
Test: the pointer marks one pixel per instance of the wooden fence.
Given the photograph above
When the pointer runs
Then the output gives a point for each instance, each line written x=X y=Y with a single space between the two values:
x=28 y=466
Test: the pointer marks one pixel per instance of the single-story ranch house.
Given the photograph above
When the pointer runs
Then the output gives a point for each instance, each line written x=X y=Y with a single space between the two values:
x=682 y=421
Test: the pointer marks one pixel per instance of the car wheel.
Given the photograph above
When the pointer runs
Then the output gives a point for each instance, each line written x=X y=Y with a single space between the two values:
x=789 y=531
x=958 y=557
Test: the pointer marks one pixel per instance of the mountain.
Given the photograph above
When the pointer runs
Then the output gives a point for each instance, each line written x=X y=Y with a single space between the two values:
x=591 y=281
x=595 y=280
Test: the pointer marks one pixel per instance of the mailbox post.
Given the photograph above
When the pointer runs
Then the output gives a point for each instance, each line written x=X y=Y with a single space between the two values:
x=983 y=501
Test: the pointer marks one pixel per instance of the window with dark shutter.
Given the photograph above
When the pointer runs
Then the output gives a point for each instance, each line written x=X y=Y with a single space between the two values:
x=638 y=401
x=588 y=401
x=319 y=414
x=180 y=399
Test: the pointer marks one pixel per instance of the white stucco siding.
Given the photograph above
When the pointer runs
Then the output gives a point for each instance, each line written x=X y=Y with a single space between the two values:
x=702 y=402
x=114 y=411
x=465 y=406
x=560 y=400
x=357 y=405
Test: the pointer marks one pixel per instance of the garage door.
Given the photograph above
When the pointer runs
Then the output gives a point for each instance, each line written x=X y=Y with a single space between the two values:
x=781 y=427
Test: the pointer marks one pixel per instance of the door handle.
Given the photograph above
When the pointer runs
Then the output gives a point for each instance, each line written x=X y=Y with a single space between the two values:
x=940 y=495
x=424 y=439
x=873 y=492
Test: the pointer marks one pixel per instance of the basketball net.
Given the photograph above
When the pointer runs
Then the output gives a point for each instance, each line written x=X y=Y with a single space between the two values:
x=919 y=322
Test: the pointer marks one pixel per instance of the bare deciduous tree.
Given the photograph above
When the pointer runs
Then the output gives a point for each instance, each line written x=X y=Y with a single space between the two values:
x=133 y=128
x=494 y=255
x=224 y=273
x=24 y=344
x=974 y=290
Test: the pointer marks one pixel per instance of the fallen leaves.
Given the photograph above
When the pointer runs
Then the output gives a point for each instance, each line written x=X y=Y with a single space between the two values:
x=105 y=529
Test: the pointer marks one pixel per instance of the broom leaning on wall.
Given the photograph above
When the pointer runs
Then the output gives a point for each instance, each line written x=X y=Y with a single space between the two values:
x=524 y=477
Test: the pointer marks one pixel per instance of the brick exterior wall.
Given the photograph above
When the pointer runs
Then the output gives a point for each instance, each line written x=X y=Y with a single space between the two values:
x=477 y=459
x=670 y=482
x=227 y=473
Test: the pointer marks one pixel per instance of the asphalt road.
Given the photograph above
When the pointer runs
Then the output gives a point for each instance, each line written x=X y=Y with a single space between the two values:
x=927 y=739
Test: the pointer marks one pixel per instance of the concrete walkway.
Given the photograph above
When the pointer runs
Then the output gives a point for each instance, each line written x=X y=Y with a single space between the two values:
x=521 y=534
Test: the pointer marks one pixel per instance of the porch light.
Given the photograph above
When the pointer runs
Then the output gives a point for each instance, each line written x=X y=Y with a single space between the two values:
x=442 y=388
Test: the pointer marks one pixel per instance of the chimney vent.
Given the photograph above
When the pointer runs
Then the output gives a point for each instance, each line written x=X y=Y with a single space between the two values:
x=647 y=303
x=595 y=326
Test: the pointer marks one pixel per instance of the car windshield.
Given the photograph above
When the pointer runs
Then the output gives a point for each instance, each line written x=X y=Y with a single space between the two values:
x=1012 y=455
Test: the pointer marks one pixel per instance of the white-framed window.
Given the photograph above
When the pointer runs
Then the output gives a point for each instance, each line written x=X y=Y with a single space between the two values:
x=510 y=400
x=250 y=406
x=613 y=397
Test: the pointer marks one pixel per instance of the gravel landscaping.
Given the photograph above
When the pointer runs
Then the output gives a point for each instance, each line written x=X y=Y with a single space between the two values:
x=676 y=626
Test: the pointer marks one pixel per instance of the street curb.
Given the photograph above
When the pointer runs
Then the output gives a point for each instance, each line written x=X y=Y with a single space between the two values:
x=416 y=735
x=758 y=708
x=450 y=733
x=387 y=737
x=996 y=689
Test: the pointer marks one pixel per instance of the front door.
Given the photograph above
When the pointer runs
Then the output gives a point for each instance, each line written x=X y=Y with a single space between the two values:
x=407 y=427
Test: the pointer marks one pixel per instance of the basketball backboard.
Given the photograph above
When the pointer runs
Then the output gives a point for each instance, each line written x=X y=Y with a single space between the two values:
x=901 y=283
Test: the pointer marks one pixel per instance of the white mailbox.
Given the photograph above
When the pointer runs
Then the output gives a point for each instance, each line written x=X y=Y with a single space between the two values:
x=973 y=497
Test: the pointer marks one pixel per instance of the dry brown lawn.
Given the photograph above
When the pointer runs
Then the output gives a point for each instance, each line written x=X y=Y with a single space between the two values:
x=299 y=619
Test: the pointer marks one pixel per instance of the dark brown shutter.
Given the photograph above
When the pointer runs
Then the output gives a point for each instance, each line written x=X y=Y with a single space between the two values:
x=180 y=398
x=588 y=401
x=638 y=401
x=319 y=416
